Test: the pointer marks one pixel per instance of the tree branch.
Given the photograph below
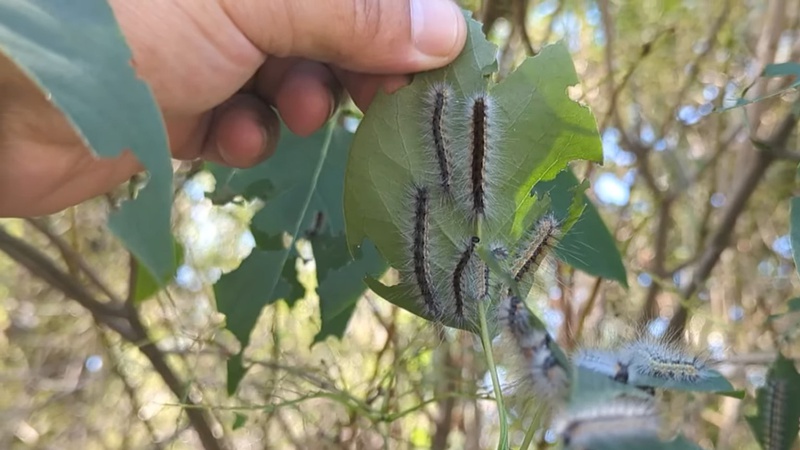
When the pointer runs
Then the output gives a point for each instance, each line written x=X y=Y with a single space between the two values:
x=650 y=309
x=108 y=314
x=73 y=258
x=129 y=389
x=764 y=156
x=197 y=416
x=124 y=319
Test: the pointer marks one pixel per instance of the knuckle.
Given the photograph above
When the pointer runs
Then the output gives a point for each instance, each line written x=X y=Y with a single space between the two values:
x=368 y=15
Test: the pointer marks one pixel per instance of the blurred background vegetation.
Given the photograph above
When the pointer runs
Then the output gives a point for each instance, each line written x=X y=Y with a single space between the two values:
x=696 y=195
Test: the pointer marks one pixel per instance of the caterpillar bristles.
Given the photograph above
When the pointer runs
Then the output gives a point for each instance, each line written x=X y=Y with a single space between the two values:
x=479 y=144
x=658 y=358
x=482 y=274
x=420 y=251
x=535 y=247
x=615 y=364
x=481 y=163
x=775 y=396
x=463 y=291
x=542 y=372
x=438 y=110
x=603 y=361
x=611 y=422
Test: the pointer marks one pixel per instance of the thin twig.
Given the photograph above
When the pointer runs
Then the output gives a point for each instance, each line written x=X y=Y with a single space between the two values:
x=649 y=309
x=764 y=156
x=122 y=319
x=73 y=258
x=197 y=417
x=108 y=314
x=519 y=11
x=129 y=390
x=694 y=67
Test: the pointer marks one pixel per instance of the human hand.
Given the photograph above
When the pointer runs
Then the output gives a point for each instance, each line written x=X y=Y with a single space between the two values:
x=215 y=67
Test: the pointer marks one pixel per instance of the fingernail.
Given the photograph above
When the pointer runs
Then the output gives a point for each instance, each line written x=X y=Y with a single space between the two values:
x=435 y=26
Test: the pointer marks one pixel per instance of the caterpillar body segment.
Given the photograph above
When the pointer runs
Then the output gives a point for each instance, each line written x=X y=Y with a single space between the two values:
x=542 y=373
x=616 y=421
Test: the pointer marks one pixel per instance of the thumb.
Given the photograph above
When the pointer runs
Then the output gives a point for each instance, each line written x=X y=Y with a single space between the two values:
x=370 y=36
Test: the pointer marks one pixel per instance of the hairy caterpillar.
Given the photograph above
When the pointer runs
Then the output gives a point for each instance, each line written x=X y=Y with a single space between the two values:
x=602 y=361
x=536 y=246
x=480 y=164
x=438 y=105
x=643 y=360
x=775 y=396
x=658 y=358
x=479 y=144
x=420 y=251
x=544 y=374
x=483 y=275
x=458 y=276
x=614 y=421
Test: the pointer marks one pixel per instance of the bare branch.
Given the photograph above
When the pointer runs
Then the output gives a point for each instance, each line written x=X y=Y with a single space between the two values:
x=764 y=156
x=108 y=314
x=129 y=389
x=72 y=258
x=694 y=67
x=124 y=319
x=649 y=309
x=197 y=416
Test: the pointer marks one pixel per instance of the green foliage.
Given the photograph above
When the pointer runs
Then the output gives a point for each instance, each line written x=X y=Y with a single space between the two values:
x=239 y=421
x=791 y=69
x=713 y=381
x=588 y=246
x=76 y=55
x=541 y=131
x=794 y=223
x=301 y=186
x=146 y=286
x=340 y=290
x=776 y=423
x=794 y=304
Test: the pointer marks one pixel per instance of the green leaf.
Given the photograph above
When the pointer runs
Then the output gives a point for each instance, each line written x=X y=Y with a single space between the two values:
x=537 y=131
x=385 y=154
x=782 y=70
x=792 y=306
x=770 y=71
x=589 y=245
x=239 y=420
x=77 y=56
x=147 y=286
x=712 y=381
x=301 y=186
x=776 y=423
x=242 y=293
x=794 y=225
x=656 y=367
x=342 y=286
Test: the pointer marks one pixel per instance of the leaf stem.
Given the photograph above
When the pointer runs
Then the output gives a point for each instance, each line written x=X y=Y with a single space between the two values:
x=531 y=432
x=486 y=341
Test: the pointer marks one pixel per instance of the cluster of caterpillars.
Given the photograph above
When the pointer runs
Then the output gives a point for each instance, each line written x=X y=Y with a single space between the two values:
x=637 y=362
x=463 y=157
